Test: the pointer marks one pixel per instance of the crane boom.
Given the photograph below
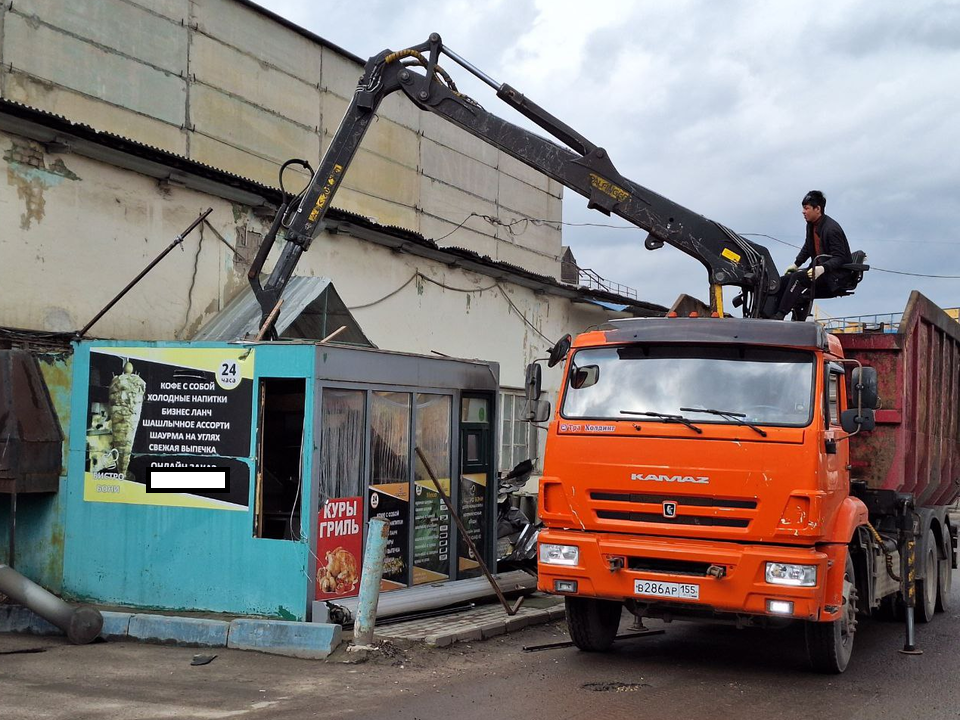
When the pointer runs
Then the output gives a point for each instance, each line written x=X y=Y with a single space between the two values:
x=585 y=168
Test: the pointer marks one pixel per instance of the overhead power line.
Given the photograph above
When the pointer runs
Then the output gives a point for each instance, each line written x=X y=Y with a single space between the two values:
x=872 y=267
x=417 y=275
x=556 y=224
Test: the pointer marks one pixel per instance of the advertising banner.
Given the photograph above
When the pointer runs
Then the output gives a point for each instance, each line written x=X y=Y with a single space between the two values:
x=431 y=533
x=473 y=492
x=174 y=408
x=339 y=548
x=391 y=502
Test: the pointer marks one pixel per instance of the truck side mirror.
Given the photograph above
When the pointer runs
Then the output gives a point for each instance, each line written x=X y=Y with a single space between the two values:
x=852 y=421
x=582 y=377
x=537 y=411
x=864 y=381
x=533 y=382
x=559 y=351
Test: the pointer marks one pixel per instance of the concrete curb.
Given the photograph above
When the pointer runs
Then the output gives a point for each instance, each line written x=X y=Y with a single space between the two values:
x=295 y=639
x=304 y=640
x=18 y=619
x=313 y=641
x=115 y=625
x=178 y=630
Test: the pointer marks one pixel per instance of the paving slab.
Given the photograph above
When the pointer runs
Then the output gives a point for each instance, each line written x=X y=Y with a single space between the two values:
x=479 y=623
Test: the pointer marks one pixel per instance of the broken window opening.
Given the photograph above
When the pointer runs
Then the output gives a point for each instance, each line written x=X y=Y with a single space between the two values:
x=279 y=479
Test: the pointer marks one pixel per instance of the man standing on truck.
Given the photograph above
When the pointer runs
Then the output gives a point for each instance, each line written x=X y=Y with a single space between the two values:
x=826 y=244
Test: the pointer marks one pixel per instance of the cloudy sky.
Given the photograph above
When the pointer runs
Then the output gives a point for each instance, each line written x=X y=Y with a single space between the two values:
x=734 y=109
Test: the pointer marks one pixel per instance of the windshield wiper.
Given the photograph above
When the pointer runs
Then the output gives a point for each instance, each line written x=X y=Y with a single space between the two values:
x=666 y=418
x=735 y=416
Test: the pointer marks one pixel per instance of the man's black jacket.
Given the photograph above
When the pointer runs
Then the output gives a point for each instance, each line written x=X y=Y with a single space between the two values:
x=832 y=242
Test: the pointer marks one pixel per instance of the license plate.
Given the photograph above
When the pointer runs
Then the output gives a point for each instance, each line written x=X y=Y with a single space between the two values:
x=678 y=591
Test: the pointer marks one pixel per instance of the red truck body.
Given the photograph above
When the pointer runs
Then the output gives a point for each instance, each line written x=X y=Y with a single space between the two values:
x=915 y=446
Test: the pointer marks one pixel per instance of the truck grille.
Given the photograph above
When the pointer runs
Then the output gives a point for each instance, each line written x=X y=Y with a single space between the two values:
x=702 y=511
x=681 y=520
x=681 y=501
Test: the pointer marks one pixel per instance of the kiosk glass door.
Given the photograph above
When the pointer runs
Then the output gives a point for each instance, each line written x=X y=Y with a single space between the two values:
x=476 y=466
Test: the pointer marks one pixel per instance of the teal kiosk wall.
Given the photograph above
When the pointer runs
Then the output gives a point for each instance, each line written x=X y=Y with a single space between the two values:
x=300 y=427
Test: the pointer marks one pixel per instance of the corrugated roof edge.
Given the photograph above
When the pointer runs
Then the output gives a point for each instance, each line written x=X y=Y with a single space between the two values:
x=62 y=124
x=300 y=30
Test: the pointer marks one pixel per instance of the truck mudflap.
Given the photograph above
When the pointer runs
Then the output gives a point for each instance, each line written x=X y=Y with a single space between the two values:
x=703 y=575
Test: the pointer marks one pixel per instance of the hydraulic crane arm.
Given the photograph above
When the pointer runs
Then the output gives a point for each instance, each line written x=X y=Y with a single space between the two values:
x=581 y=166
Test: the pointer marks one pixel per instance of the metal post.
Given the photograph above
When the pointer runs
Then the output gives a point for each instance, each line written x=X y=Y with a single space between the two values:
x=716 y=300
x=377 y=533
x=81 y=624
x=179 y=239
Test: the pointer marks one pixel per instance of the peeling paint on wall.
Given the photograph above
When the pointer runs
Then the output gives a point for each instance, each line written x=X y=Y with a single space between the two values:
x=28 y=172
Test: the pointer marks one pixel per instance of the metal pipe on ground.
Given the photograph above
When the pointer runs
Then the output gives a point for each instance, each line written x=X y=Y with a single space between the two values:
x=429 y=597
x=377 y=533
x=80 y=624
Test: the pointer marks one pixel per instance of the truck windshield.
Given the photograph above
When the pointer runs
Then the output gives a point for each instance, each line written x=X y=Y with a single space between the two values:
x=767 y=386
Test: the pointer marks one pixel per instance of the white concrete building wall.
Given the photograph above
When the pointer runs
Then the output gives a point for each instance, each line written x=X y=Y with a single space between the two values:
x=223 y=84
x=77 y=230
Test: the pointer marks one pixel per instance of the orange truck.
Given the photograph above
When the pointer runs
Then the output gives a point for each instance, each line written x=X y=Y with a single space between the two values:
x=752 y=470
x=718 y=467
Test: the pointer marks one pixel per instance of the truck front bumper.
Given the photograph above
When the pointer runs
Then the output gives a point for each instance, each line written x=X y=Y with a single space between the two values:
x=609 y=566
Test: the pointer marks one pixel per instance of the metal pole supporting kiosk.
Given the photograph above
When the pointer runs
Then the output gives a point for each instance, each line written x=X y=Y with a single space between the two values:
x=377 y=533
x=179 y=239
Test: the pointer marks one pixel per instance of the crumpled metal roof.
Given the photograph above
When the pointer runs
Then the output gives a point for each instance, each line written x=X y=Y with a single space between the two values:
x=311 y=310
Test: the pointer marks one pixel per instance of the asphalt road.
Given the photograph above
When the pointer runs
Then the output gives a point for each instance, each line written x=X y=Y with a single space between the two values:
x=692 y=671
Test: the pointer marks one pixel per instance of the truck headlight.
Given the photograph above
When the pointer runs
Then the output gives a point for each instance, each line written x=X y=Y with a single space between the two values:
x=788 y=574
x=559 y=554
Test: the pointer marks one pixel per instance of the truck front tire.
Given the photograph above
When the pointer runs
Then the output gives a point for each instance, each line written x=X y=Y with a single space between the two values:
x=593 y=623
x=830 y=644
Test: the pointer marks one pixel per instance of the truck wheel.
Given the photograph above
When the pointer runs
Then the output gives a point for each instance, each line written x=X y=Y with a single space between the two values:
x=927 y=587
x=945 y=577
x=593 y=624
x=830 y=644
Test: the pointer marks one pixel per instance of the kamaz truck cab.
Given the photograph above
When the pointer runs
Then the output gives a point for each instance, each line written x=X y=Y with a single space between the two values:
x=699 y=468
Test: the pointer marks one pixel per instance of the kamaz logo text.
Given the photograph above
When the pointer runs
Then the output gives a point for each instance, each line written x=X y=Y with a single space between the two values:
x=670 y=478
